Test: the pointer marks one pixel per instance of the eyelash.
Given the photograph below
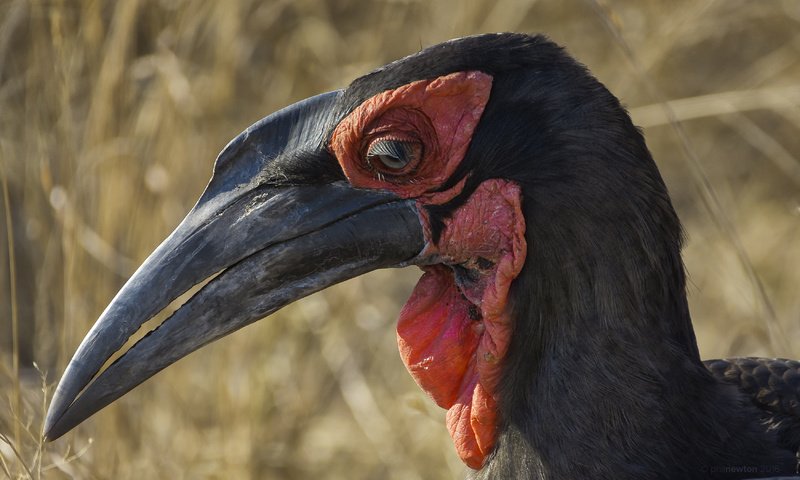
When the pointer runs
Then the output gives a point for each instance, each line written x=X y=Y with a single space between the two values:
x=388 y=156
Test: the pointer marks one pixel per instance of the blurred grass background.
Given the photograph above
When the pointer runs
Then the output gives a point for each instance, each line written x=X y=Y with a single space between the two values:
x=111 y=114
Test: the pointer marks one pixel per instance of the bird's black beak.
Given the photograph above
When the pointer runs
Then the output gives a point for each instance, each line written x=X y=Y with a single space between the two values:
x=270 y=230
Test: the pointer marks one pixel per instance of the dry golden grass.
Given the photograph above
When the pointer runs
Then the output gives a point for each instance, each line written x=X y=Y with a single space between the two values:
x=111 y=114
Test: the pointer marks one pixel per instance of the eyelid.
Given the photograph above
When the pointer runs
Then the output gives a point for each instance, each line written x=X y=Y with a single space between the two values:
x=391 y=146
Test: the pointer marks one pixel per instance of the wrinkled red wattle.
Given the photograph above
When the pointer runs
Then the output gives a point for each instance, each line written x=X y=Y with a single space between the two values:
x=453 y=354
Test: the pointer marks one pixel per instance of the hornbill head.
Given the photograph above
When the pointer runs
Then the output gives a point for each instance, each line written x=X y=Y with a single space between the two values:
x=478 y=159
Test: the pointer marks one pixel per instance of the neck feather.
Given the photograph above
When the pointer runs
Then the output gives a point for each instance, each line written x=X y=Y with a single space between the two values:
x=603 y=377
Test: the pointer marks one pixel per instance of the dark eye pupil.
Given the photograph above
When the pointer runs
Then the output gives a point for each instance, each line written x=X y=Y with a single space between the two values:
x=392 y=154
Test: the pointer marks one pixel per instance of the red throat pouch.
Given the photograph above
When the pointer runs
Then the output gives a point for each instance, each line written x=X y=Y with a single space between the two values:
x=454 y=331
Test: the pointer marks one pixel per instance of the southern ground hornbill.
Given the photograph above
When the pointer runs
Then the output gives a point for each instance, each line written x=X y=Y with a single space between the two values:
x=551 y=319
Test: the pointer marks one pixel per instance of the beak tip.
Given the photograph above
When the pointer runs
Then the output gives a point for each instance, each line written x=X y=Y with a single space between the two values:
x=55 y=428
x=50 y=425
x=54 y=420
x=49 y=433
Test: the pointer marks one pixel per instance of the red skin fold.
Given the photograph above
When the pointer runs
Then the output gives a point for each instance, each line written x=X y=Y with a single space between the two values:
x=454 y=356
x=441 y=113
x=452 y=335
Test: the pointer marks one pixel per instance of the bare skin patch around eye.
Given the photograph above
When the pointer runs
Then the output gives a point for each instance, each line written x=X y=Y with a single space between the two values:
x=441 y=114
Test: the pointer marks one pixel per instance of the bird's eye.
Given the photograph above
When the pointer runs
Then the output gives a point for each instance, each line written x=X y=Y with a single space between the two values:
x=392 y=154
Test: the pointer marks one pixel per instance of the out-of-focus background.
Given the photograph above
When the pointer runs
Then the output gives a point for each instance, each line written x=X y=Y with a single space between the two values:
x=111 y=114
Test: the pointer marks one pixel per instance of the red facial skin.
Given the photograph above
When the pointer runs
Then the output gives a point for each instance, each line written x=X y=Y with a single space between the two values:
x=440 y=114
x=453 y=333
